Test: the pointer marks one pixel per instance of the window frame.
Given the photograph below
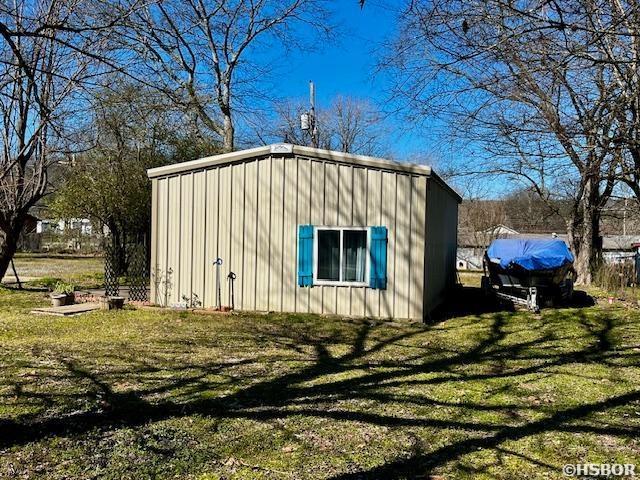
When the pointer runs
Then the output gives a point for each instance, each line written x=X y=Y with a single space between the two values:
x=341 y=283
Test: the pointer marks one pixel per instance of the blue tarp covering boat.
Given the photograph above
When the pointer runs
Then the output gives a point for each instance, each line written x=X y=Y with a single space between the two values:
x=529 y=271
x=530 y=254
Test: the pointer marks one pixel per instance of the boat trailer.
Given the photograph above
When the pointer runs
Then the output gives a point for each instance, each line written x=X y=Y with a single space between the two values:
x=528 y=297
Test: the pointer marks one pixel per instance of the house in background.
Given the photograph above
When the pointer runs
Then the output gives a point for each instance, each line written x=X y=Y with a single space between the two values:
x=498 y=231
x=81 y=225
x=303 y=230
x=52 y=235
x=619 y=248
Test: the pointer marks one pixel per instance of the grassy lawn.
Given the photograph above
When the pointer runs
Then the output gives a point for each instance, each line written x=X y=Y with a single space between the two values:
x=35 y=268
x=142 y=394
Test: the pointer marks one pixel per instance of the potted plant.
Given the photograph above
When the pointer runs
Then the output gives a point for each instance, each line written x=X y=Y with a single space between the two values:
x=63 y=294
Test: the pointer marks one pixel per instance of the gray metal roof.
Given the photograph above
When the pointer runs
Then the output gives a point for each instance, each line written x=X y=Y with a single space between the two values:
x=286 y=149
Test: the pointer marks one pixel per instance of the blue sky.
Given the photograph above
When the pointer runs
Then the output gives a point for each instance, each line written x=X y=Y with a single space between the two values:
x=348 y=67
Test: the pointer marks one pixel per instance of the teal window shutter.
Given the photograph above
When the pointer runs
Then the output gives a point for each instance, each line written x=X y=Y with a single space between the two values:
x=305 y=255
x=378 y=255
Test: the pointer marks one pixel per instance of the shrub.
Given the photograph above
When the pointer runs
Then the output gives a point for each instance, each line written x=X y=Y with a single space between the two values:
x=47 y=282
x=66 y=288
x=615 y=277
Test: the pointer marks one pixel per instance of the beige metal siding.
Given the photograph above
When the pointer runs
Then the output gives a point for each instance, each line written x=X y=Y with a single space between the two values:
x=440 y=253
x=199 y=257
x=247 y=297
x=416 y=265
x=211 y=231
x=234 y=260
x=227 y=209
x=263 y=236
x=388 y=219
x=289 y=254
x=248 y=214
x=403 y=247
x=276 y=270
x=173 y=242
x=154 y=238
x=185 y=266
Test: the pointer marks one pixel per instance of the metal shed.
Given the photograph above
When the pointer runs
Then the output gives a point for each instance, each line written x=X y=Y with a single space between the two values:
x=303 y=230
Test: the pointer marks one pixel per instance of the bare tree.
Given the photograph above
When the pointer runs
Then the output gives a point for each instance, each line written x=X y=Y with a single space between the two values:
x=480 y=218
x=618 y=46
x=529 y=84
x=481 y=221
x=527 y=212
x=350 y=125
x=48 y=55
x=357 y=126
x=197 y=52
x=286 y=125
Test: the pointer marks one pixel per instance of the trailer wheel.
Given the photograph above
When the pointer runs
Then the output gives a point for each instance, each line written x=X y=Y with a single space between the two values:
x=568 y=289
x=485 y=286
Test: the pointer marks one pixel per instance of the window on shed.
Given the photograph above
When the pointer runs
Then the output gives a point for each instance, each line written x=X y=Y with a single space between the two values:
x=328 y=255
x=354 y=251
x=341 y=255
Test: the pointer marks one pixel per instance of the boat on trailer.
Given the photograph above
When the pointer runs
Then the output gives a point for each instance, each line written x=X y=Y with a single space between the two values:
x=529 y=272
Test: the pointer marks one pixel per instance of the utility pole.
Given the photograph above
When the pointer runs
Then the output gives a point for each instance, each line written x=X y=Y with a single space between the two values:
x=308 y=121
x=312 y=111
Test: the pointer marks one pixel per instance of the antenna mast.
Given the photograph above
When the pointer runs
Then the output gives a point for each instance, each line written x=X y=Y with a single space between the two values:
x=308 y=121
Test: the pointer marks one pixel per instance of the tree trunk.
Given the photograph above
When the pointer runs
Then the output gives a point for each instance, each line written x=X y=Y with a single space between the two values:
x=116 y=248
x=229 y=133
x=583 y=259
x=584 y=235
x=8 y=247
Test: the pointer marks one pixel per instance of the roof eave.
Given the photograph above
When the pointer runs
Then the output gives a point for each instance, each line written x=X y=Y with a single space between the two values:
x=292 y=150
x=205 y=162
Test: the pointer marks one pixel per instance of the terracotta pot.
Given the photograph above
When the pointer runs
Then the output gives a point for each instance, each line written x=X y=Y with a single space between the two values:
x=58 y=299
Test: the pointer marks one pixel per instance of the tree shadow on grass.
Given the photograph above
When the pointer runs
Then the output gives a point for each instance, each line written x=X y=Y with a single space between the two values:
x=356 y=365
x=426 y=462
x=466 y=300
x=24 y=288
